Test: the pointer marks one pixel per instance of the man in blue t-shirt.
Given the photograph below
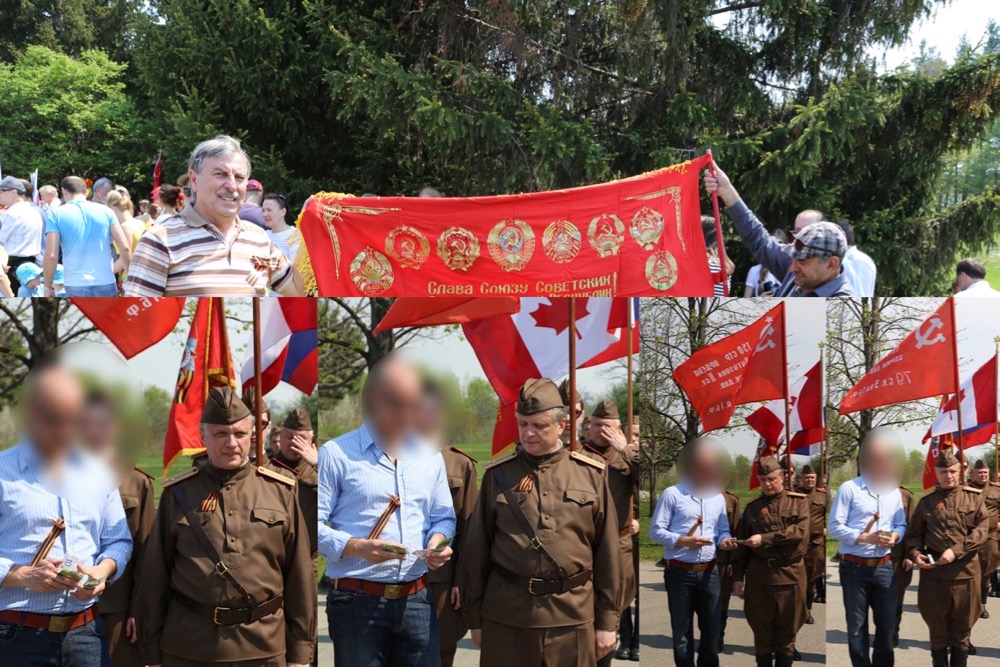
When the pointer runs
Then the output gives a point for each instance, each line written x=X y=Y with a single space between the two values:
x=84 y=231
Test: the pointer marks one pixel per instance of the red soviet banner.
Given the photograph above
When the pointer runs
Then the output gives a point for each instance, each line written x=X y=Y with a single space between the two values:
x=640 y=236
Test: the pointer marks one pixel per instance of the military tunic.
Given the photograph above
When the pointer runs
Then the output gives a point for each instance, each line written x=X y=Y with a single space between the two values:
x=816 y=552
x=566 y=500
x=898 y=553
x=725 y=559
x=461 y=471
x=989 y=554
x=253 y=520
x=948 y=595
x=116 y=604
x=775 y=572
x=307 y=484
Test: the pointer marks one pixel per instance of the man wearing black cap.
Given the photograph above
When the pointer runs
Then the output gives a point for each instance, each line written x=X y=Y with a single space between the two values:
x=297 y=458
x=769 y=570
x=979 y=478
x=541 y=575
x=950 y=525
x=816 y=553
x=608 y=445
x=227 y=575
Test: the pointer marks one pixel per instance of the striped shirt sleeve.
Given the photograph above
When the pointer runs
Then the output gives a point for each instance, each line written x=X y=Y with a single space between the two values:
x=148 y=270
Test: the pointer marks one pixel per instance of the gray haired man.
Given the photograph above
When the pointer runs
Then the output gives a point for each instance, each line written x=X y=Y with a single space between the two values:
x=206 y=249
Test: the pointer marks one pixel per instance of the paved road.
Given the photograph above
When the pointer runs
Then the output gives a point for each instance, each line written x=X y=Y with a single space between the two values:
x=914 y=648
x=655 y=620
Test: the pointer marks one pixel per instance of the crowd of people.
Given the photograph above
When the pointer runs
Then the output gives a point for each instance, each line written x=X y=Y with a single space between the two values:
x=536 y=563
x=83 y=239
x=95 y=574
x=772 y=555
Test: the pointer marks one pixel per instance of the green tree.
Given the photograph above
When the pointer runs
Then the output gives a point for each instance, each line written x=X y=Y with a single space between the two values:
x=64 y=115
x=70 y=26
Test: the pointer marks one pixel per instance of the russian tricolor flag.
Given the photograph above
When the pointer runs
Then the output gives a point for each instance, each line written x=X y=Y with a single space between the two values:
x=289 y=350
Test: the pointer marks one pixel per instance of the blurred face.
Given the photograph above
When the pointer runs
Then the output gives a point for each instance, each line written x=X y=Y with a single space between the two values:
x=8 y=198
x=266 y=424
x=228 y=445
x=47 y=196
x=981 y=476
x=879 y=464
x=772 y=483
x=54 y=412
x=99 y=428
x=274 y=214
x=431 y=420
x=394 y=405
x=815 y=271
x=219 y=188
x=540 y=433
x=597 y=425
x=808 y=481
x=285 y=438
x=948 y=478
x=703 y=469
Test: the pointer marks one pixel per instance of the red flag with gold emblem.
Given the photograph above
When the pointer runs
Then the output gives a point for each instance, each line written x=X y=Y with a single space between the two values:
x=744 y=367
x=205 y=363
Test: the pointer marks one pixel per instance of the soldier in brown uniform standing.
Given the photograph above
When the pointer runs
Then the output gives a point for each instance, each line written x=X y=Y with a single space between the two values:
x=769 y=567
x=100 y=431
x=297 y=458
x=725 y=561
x=460 y=469
x=950 y=525
x=979 y=478
x=816 y=552
x=901 y=565
x=541 y=576
x=607 y=444
x=227 y=576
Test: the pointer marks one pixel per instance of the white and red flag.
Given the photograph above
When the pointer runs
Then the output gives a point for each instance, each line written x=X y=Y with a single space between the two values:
x=744 y=367
x=805 y=411
x=289 y=351
x=978 y=396
x=922 y=365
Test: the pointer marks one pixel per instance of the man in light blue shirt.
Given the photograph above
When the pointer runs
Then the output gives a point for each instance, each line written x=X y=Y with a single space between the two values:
x=42 y=478
x=690 y=522
x=867 y=518
x=379 y=607
x=83 y=231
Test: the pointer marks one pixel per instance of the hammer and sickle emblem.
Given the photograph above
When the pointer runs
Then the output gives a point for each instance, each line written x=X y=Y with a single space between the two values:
x=924 y=337
x=766 y=342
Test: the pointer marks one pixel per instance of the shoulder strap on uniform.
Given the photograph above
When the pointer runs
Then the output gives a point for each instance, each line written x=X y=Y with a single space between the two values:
x=503 y=458
x=179 y=477
x=143 y=473
x=465 y=454
x=973 y=489
x=529 y=530
x=270 y=474
x=577 y=456
x=796 y=494
x=209 y=548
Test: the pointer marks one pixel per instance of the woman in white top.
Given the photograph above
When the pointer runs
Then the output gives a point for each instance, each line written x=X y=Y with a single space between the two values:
x=284 y=236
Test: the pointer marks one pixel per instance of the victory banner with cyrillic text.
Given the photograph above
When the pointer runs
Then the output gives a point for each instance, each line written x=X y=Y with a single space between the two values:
x=639 y=236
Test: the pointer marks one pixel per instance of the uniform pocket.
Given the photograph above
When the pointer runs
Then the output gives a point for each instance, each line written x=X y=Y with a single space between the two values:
x=271 y=517
x=581 y=496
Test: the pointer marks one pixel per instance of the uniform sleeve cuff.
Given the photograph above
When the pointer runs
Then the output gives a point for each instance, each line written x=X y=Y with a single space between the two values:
x=473 y=617
x=607 y=620
x=299 y=652
x=151 y=654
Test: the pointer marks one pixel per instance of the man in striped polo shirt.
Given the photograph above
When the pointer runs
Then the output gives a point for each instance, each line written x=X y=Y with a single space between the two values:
x=206 y=250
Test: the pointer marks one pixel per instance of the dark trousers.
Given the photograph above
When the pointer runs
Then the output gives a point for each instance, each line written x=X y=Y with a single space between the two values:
x=869 y=588
x=627 y=627
x=692 y=594
x=28 y=647
x=372 y=631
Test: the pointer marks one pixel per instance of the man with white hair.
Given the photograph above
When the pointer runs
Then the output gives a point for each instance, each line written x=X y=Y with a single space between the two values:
x=206 y=249
x=868 y=519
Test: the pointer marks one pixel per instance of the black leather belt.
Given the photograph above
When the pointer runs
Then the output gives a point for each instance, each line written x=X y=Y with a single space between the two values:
x=782 y=562
x=231 y=615
x=536 y=586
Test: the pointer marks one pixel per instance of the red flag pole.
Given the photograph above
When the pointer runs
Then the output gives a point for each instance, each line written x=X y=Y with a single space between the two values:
x=788 y=407
x=573 y=444
x=958 y=385
x=718 y=229
x=996 y=418
x=822 y=407
x=258 y=399
x=631 y=384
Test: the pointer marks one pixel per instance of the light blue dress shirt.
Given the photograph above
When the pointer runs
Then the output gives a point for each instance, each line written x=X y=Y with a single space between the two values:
x=676 y=511
x=356 y=479
x=853 y=507
x=86 y=496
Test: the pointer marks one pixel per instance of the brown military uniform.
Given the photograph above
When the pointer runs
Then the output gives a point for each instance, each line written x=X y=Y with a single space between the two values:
x=566 y=500
x=898 y=554
x=948 y=595
x=307 y=484
x=816 y=553
x=989 y=554
x=461 y=471
x=253 y=520
x=725 y=560
x=775 y=572
x=116 y=605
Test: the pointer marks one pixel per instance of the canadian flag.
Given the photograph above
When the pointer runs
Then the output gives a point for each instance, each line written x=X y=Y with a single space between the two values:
x=978 y=395
x=805 y=411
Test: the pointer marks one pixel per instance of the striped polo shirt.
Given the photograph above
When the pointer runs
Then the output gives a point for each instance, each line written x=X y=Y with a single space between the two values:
x=185 y=255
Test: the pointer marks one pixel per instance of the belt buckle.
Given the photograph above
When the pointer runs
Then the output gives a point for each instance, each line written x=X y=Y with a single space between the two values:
x=392 y=591
x=215 y=614
x=531 y=585
x=60 y=624
x=221 y=569
x=872 y=562
x=536 y=543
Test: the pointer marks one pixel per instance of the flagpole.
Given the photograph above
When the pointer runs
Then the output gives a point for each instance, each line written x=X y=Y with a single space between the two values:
x=631 y=352
x=958 y=386
x=996 y=419
x=718 y=229
x=788 y=410
x=573 y=444
x=258 y=399
x=822 y=407
x=635 y=491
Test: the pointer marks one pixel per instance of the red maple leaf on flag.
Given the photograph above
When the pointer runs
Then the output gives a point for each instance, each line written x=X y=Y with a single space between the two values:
x=555 y=314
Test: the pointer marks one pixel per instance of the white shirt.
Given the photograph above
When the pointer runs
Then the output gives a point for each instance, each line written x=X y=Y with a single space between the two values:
x=287 y=242
x=979 y=288
x=860 y=271
x=21 y=230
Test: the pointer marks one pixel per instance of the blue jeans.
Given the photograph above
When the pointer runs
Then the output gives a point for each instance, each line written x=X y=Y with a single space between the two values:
x=869 y=588
x=370 y=631
x=690 y=593
x=92 y=290
x=28 y=647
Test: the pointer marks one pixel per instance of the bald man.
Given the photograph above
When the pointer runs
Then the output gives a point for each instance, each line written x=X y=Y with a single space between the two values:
x=383 y=492
x=48 y=612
